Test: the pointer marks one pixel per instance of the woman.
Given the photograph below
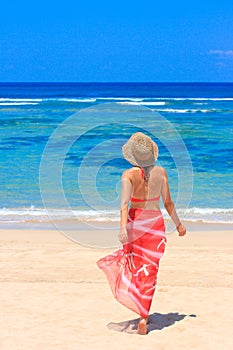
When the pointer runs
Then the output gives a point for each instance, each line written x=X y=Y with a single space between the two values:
x=132 y=270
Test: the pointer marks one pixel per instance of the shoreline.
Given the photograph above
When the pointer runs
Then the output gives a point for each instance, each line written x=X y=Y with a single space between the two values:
x=102 y=236
x=110 y=225
x=107 y=240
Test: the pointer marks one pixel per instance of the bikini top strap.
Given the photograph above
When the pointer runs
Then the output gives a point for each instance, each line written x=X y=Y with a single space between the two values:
x=143 y=173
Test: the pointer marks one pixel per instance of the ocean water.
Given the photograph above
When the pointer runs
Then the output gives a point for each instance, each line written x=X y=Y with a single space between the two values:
x=60 y=147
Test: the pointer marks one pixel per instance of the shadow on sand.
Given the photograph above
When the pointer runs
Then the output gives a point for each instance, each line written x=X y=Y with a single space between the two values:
x=157 y=321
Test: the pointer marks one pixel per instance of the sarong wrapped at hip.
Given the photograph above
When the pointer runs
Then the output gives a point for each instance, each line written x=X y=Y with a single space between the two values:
x=132 y=270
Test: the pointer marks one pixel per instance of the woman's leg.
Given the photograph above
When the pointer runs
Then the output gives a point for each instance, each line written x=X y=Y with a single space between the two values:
x=142 y=329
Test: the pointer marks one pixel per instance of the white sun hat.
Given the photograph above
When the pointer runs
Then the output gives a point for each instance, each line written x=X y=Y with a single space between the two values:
x=140 y=150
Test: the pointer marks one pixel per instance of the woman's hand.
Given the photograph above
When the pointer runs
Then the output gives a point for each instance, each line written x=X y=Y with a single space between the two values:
x=123 y=236
x=181 y=229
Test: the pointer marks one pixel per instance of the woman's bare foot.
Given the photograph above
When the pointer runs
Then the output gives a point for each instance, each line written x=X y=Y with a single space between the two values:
x=142 y=326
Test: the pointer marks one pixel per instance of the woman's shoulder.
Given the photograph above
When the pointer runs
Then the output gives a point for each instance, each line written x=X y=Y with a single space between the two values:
x=161 y=169
x=129 y=172
x=159 y=172
x=162 y=173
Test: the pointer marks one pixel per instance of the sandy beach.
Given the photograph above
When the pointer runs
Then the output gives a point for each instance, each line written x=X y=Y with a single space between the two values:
x=53 y=296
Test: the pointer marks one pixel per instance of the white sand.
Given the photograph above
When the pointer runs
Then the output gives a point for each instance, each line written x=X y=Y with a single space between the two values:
x=53 y=296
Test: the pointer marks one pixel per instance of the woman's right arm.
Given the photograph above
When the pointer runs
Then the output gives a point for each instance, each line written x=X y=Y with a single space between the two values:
x=125 y=198
x=169 y=205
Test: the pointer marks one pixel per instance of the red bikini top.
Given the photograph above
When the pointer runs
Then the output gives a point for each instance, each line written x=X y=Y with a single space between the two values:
x=133 y=199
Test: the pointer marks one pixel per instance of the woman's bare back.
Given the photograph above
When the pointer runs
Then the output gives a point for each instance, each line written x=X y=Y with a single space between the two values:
x=147 y=192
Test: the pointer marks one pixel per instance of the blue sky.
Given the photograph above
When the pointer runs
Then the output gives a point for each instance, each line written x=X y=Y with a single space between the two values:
x=169 y=41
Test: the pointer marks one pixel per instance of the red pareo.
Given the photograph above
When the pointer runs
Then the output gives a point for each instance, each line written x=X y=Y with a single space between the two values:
x=132 y=270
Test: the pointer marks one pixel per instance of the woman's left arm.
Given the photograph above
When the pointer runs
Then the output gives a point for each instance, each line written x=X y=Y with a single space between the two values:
x=126 y=193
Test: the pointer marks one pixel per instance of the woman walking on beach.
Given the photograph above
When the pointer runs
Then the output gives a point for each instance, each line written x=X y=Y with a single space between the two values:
x=132 y=270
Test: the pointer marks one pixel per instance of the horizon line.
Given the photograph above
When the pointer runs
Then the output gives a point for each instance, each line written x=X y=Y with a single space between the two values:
x=116 y=82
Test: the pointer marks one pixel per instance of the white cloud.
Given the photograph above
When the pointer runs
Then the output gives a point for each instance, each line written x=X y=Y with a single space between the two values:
x=221 y=53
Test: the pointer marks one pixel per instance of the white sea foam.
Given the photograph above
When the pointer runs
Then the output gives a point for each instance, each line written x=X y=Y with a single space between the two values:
x=143 y=103
x=43 y=215
x=194 y=214
x=176 y=110
x=5 y=99
x=145 y=99
x=17 y=103
x=135 y=99
x=124 y=100
x=82 y=100
x=209 y=215
x=34 y=100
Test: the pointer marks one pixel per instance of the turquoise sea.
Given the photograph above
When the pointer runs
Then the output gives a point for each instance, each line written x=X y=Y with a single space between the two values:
x=60 y=147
